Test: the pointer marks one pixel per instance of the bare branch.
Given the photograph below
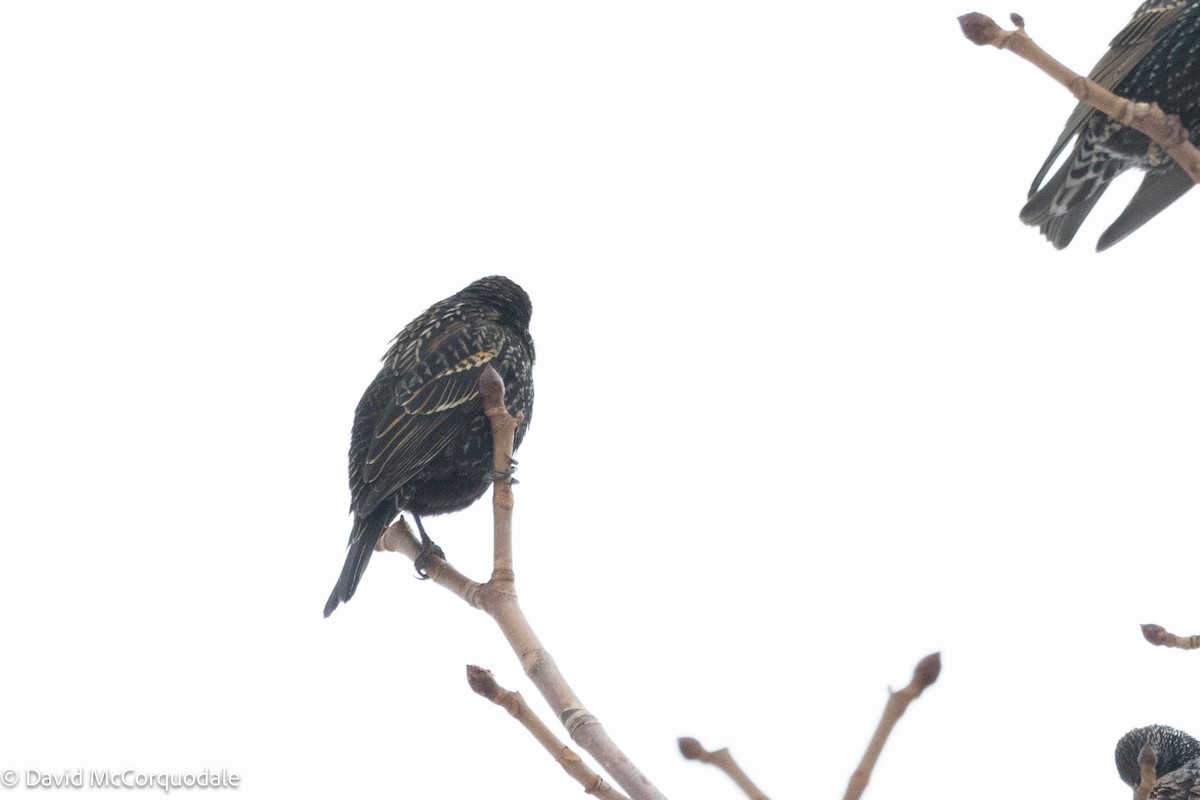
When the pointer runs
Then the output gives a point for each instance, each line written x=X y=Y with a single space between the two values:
x=504 y=431
x=1164 y=129
x=399 y=538
x=484 y=684
x=1158 y=635
x=498 y=598
x=694 y=751
x=924 y=675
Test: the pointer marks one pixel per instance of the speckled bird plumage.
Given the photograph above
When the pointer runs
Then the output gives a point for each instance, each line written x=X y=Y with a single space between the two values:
x=420 y=441
x=1178 y=767
x=1154 y=59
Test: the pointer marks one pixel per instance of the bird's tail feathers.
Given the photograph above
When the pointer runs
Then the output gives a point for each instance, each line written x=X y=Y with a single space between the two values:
x=363 y=537
x=1159 y=189
x=1060 y=206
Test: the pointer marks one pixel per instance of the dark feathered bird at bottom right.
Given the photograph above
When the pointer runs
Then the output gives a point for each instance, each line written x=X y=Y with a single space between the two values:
x=1154 y=59
x=1178 y=766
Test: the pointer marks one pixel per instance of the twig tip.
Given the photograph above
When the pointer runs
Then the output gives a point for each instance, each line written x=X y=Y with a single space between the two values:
x=979 y=28
x=491 y=387
x=1155 y=634
x=691 y=749
x=927 y=670
x=481 y=681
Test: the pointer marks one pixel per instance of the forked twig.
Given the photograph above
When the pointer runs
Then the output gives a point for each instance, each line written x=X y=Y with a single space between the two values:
x=498 y=598
x=484 y=684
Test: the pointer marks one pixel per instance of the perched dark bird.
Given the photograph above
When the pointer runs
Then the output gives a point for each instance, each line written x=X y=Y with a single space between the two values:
x=1178 y=761
x=420 y=441
x=1155 y=59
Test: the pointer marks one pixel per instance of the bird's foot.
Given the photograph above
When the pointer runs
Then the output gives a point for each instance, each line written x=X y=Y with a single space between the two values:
x=428 y=551
x=492 y=476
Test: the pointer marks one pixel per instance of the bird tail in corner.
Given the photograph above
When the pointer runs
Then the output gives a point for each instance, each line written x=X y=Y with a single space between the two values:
x=363 y=536
x=1158 y=190
x=1060 y=206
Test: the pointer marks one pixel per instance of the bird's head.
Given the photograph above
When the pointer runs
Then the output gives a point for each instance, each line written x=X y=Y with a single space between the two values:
x=506 y=297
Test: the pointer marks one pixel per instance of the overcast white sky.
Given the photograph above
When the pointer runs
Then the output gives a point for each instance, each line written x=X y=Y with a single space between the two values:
x=811 y=401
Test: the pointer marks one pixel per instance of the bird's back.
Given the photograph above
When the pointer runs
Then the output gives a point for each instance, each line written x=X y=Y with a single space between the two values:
x=420 y=440
x=420 y=437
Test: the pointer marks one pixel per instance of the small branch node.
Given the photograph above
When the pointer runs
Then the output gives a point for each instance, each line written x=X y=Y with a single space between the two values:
x=1081 y=88
x=575 y=718
x=531 y=660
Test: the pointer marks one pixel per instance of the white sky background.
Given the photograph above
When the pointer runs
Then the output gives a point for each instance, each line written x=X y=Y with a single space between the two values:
x=811 y=401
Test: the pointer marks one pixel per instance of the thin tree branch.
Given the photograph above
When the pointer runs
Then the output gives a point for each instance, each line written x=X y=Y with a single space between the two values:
x=692 y=750
x=399 y=538
x=1158 y=635
x=1164 y=129
x=504 y=431
x=484 y=684
x=926 y=672
x=498 y=598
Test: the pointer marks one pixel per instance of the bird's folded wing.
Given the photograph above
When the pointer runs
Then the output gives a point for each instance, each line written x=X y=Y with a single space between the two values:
x=1128 y=48
x=416 y=426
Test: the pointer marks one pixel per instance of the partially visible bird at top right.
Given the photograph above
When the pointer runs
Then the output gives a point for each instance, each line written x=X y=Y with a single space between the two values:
x=1178 y=767
x=1155 y=59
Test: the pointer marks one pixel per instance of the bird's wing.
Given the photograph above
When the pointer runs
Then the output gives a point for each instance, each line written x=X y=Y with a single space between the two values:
x=1128 y=48
x=416 y=425
x=1181 y=784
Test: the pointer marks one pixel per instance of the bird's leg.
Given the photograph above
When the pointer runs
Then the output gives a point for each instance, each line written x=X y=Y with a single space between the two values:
x=428 y=550
x=492 y=476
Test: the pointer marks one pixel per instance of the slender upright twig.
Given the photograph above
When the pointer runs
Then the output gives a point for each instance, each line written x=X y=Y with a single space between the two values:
x=924 y=675
x=498 y=598
x=692 y=750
